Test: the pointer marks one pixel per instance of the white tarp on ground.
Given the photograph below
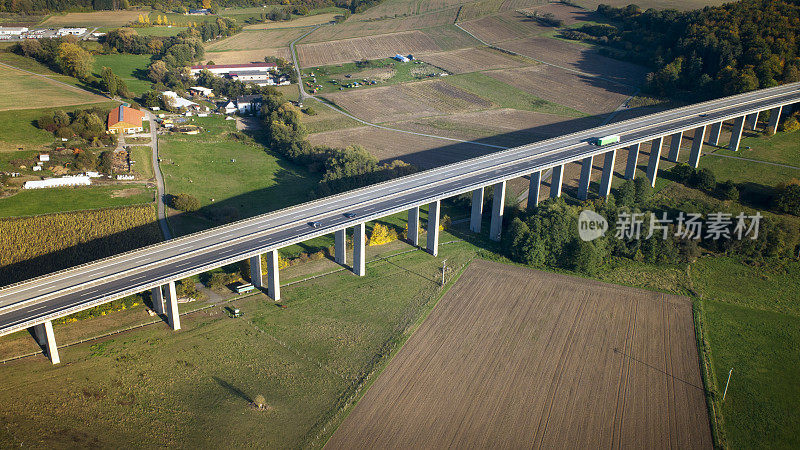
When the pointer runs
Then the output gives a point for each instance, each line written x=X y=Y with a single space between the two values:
x=77 y=180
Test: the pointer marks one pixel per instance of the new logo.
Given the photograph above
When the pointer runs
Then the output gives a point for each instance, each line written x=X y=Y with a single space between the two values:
x=591 y=225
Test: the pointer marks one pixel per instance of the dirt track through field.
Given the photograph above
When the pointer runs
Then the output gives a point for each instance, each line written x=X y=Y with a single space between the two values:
x=516 y=358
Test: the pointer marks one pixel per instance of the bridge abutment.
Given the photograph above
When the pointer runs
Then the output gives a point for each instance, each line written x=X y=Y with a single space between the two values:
x=43 y=333
x=498 y=206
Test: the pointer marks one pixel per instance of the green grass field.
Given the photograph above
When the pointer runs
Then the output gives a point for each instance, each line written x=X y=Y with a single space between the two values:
x=18 y=129
x=45 y=201
x=144 y=161
x=131 y=68
x=507 y=96
x=384 y=71
x=17 y=87
x=160 y=31
x=782 y=148
x=194 y=387
x=202 y=165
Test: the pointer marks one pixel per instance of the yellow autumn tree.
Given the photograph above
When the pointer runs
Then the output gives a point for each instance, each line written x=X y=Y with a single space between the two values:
x=381 y=234
x=158 y=20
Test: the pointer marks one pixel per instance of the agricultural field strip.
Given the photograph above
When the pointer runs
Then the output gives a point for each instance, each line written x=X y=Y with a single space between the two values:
x=68 y=86
x=760 y=101
x=191 y=240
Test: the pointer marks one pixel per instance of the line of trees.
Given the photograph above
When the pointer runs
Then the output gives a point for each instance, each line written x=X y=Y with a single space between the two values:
x=723 y=50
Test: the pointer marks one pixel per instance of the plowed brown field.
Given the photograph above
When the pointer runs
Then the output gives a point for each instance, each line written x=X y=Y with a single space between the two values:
x=516 y=358
x=371 y=47
x=473 y=59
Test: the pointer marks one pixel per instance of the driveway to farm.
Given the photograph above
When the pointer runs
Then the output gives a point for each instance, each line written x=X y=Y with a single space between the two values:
x=160 y=188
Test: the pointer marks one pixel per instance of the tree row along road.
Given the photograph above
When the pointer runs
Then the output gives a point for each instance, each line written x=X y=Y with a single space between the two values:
x=24 y=303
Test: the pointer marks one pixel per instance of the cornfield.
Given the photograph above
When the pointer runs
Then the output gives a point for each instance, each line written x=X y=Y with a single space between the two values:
x=33 y=246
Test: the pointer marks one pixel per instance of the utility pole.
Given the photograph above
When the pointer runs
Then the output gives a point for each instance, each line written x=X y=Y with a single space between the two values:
x=726 y=384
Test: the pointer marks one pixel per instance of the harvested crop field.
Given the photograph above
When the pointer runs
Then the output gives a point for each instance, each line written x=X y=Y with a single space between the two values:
x=516 y=358
x=404 y=101
x=18 y=86
x=504 y=27
x=371 y=47
x=305 y=21
x=388 y=145
x=92 y=19
x=473 y=59
x=577 y=57
x=569 y=14
x=250 y=39
x=584 y=93
x=356 y=28
x=247 y=56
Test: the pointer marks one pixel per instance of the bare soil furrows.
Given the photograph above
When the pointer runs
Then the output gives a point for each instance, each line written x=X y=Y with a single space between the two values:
x=569 y=14
x=252 y=39
x=401 y=102
x=516 y=358
x=577 y=57
x=586 y=94
x=246 y=56
x=504 y=27
x=473 y=60
x=371 y=47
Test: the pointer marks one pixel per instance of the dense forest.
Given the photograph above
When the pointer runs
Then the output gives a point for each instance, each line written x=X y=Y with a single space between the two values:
x=41 y=6
x=715 y=51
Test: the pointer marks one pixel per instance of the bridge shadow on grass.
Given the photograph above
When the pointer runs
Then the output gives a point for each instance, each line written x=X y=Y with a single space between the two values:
x=292 y=187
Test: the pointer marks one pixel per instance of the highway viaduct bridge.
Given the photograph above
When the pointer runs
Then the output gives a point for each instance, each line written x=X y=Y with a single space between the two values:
x=34 y=303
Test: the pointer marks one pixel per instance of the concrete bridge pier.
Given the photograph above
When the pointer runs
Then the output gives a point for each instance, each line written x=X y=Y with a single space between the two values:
x=555 y=181
x=359 y=250
x=433 y=228
x=608 y=173
x=736 y=134
x=413 y=225
x=716 y=129
x=633 y=157
x=655 y=156
x=157 y=295
x=498 y=206
x=256 y=272
x=340 y=246
x=752 y=120
x=697 y=146
x=273 y=276
x=477 y=211
x=533 y=189
x=43 y=333
x=586 y=178
x=173 y=316
x=774 y=119
x=675 y=146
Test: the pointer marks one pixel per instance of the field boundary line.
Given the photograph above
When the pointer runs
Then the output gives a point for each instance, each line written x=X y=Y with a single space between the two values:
x=69 y=86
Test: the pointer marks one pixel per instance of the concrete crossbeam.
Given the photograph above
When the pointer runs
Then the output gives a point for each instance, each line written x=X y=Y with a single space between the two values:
x=173 y=315
x=477 y=211
x=716 y=130
x=675 y=146
x=359 y=250
x=256 y=272
x=586 y=178
x=273 y=275
x=736 y=134
x=433 y=228
x=533 y=189
x=752 y=120
x=633 y=157
x=774 y=119
x=413 y=226
x=43 y=333
x=655 y=156
x=608 y=173
x=157 y=295
x=697 y=146
x=340 y=246
x=555 y=181
x=498 y=207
